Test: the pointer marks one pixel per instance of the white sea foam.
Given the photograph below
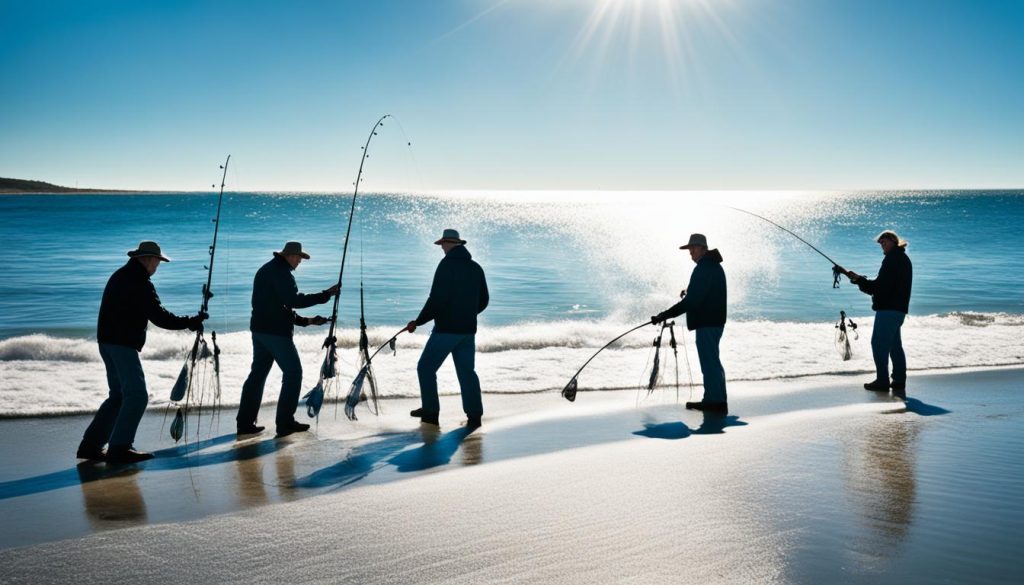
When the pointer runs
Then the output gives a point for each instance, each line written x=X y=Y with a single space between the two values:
x=42 y=375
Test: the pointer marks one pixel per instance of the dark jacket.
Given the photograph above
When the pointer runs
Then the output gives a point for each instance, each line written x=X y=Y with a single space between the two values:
x=890 y=290
x=457 y=295
x=704 y=303
x=274 y=298
x=129 y=303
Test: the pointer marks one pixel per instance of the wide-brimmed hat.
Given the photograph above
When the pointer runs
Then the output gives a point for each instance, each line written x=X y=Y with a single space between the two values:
x=695 y=240
x=891 y=235
x=292 y=249
x=148 y=248
x=450 y=235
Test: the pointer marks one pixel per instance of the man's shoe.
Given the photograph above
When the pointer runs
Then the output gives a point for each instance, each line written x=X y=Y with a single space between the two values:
x=250 y=429
x=90 y=453
x=416 y=413
x=713 y=407
x=876 y=386
x=283 y=430
x=429 y=418
x=899 y=391
x=474 y=422
x=126 y=454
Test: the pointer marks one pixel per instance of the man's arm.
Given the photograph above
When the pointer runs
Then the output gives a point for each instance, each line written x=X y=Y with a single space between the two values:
x=485 y=297
x=440 y=292
x=290 y=296
x=157 y=314
x=696 y=292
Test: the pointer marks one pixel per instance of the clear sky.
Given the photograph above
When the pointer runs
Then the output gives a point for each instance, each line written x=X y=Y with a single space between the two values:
x=515 y=94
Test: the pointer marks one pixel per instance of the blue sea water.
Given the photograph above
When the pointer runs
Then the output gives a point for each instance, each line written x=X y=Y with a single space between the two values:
x=548 y=256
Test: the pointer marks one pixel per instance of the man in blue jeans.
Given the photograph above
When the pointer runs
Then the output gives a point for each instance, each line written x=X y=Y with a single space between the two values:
x=275 y=296
x=704 y=301
x=457 y=295
x=129 y=303
x=890 y=299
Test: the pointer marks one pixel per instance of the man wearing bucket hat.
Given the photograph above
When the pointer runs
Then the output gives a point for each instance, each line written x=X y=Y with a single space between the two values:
x=704 y=301
x=457 y=295
x=890 y=300
x=275 y=296
x=129 y=304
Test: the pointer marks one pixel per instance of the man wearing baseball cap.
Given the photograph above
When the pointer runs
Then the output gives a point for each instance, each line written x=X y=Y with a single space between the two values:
x=129 y=304
x=704 y=301
x=457 y=295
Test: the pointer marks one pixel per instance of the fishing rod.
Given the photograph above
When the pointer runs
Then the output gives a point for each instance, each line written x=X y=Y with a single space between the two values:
x=569 y=392
x=183 y=387
x=355 y=392
x=328 y=370
x=837 y=270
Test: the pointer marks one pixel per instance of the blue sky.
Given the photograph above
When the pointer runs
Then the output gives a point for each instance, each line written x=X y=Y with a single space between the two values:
x=519 y=94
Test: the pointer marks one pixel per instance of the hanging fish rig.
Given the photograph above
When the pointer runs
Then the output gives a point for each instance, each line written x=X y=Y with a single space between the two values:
x=314 y=399
x=190 y=390
x=845 y=328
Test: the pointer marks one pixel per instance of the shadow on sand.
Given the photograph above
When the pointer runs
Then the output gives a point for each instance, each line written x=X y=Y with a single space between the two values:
x=182 y=457
x=919 y=408
x=713 y=424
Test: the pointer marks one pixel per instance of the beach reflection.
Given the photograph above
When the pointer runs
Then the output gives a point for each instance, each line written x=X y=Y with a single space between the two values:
x=111 y=500
x=251 y=489
x=879 y=471
x=284 y=463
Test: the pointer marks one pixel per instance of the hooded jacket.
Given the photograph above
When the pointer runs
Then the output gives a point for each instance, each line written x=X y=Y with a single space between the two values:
x=890 y=290
x=129 y=303
x=275 y=296
x=705 y=300
x=457 y=294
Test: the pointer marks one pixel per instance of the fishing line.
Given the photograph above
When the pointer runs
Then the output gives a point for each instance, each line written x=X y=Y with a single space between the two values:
x=570 y=390
x=842 y=337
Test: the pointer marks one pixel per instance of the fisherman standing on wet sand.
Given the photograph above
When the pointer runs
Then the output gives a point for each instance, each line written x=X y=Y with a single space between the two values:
x=704 y=302
x=890 y=300
x=129 y=303
x=275 y=296
x=458 y=294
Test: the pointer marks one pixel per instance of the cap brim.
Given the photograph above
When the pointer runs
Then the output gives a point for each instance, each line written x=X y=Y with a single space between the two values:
x=443 y=240
x=304 y=255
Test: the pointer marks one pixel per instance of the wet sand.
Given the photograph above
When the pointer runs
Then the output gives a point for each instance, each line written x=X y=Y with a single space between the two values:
x=806 y=481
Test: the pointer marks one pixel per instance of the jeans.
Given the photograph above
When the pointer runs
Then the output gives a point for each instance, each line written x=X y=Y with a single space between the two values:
x=886 y=343
x=118 y=417
x=462 y=348
x=708 y=339
x=267 y=349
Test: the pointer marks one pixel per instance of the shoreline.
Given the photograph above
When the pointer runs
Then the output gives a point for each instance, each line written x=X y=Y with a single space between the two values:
x=808 y=482
x=829 y=378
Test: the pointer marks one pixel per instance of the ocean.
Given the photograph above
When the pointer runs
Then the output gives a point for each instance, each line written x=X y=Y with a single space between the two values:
x=567 y=271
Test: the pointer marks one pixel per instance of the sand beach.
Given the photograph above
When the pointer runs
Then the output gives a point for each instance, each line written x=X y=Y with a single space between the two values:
x=806 y=481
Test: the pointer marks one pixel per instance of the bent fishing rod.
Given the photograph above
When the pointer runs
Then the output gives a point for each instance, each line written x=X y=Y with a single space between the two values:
x=836 y=268
x=569 y=392
x=331 y=340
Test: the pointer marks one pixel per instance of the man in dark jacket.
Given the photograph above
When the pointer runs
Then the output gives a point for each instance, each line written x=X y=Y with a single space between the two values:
x=457 y=295
x=704 y=301
x=275 y=296
x=890 y=299
x=129 y=303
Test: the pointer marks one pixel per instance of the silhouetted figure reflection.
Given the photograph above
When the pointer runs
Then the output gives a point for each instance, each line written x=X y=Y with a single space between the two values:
x=879 y=472
x=285 y=464
x=473 y=449
x=251 y=489
x=112 y=498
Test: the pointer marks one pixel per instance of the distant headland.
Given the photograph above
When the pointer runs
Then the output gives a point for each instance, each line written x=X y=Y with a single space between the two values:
x=21 y=186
